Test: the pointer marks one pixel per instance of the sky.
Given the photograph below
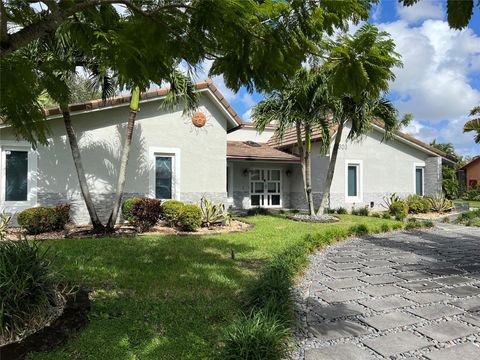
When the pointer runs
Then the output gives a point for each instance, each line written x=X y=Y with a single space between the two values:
x=440 y=79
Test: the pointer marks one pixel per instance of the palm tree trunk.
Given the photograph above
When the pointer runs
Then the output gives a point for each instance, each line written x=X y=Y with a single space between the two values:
x=122 y=175
x=331 y=169
x=308 y=169
x=82 y=180
x=306 y=165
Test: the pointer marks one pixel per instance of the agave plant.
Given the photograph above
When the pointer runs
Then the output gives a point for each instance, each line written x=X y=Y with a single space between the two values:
x=4 y=224
x=213 y=214
x=439 y=203
x=388 y=200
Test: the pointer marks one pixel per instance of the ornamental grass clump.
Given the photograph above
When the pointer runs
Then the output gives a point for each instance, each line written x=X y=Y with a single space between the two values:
x=28 y=288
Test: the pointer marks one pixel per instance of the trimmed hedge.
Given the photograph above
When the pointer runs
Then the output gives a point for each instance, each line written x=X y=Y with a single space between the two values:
x=127 y=209
x=171 y=211
x=44 y=219
x=190 y=217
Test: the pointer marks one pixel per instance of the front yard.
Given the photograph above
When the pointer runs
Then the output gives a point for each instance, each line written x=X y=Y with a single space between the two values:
x=170 y=297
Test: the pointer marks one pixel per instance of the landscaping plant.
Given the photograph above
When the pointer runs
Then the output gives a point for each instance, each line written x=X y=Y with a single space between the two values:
x=171 y=211
x=44 y=219
x=212 y=214
x=439 y=203
x=190 y=217
x=388 y=200
x=28 y=289
x=145 y=213
x=4 y=224
x=127 y=208
x=399 y=209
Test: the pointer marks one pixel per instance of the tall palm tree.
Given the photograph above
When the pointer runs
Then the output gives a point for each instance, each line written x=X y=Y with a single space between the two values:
x=474 y=124
x=301 y=104
x=361 y=115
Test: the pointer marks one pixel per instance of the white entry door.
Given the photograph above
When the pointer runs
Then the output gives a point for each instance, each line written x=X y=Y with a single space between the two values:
x=266 y=187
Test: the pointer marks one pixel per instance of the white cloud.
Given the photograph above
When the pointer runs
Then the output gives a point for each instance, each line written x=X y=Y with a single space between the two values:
x=434 y=83
x=247 y=100
x=422 y=10
x=247 y=115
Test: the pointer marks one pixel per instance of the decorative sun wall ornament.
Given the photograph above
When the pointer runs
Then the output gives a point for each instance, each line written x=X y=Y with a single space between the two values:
x=199 y=119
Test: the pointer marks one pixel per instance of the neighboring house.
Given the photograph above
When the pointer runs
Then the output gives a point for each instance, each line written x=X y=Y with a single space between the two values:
x=174 y=157
x=471 y=174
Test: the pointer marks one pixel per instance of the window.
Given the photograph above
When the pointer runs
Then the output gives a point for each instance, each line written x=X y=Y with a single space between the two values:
x=18 y=178
x=419 y=180
x=16 y=175
x=353 y=181
x=163 y=177
x=164 y=173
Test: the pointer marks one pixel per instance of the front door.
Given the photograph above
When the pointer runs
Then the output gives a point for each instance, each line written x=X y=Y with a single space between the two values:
x=266 y=188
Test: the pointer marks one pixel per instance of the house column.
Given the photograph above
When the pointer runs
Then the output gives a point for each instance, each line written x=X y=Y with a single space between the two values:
x=433 y=175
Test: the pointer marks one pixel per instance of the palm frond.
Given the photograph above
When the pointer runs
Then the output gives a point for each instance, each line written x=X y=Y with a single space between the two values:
x=473 y=125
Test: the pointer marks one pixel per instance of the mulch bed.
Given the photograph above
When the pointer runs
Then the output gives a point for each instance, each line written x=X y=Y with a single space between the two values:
x=73 y=318
x=314 y=218
x=124 y=230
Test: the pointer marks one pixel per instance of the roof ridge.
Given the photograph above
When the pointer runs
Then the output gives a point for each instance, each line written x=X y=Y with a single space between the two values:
x=123 y=99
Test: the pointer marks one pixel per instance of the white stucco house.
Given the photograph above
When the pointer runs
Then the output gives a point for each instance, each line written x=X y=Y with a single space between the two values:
x=225 y=160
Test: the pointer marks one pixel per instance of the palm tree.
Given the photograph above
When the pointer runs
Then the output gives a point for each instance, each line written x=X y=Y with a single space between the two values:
x=180 y=87
x=474 y=124
x=361 y=115
x=300 y=104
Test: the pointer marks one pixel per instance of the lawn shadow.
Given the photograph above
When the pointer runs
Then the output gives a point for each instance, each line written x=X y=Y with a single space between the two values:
x=153 y=297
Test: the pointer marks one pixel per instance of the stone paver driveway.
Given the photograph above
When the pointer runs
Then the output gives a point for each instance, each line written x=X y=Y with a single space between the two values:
x=401 y=295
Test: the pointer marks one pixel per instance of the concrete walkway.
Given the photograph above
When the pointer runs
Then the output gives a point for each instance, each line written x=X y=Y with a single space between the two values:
x=404 y=295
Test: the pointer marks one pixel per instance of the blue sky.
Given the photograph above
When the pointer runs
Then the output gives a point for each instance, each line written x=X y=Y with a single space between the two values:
x=440 y=80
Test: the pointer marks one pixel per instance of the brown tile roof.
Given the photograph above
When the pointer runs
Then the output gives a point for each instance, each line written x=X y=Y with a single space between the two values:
x=249 y=150
x=118 y=100
x=290 y=138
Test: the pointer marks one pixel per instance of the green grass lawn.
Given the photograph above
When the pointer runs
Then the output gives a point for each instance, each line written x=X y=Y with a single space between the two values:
x=170 y=297
x=471 y=203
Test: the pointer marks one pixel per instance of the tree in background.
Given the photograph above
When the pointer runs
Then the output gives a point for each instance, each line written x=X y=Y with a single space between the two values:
x=473 y=125
x=459 y=12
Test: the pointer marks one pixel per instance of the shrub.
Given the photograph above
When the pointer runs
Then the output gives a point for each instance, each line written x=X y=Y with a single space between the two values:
x=4 y=224
x=427 y=207
x=329 y=211
x=411 y=225
x=397 y=226
x=342 y=211
x=399 y=209
x=144 y=213
x=171 y=211
x=473 y=194
x=258 y=336
x=446 y=220
x=439 y=203
x=190 y=217
x=386 y=215
x=258 y=211
x=363 y=211
x=389 y=200
x=385 y=228
x=359 y=230
x=212 y=214
x=43 y=219
x=428 y=224
x=27 y=288
x=376 y=214
x=127 y=209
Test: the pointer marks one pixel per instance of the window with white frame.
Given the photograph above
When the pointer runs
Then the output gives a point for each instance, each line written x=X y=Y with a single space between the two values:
x=18 y=178
x=164 y=174
x=419 y=180
x=229 y=182
x=353 y=181
x=163 y=177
